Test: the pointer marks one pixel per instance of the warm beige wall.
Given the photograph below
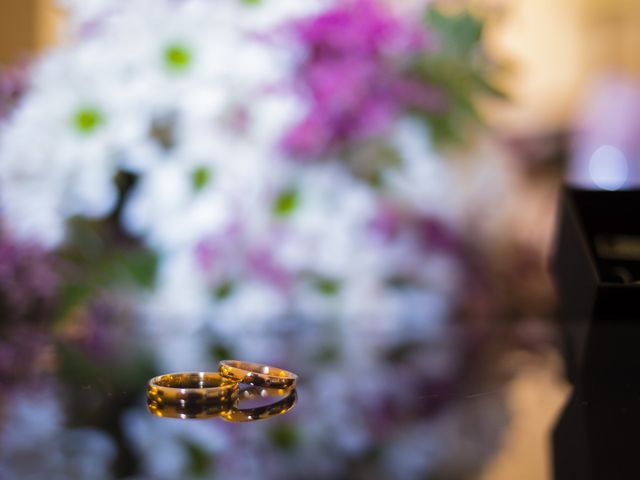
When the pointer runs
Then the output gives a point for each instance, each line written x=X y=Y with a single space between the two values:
x=613 y=34
x=50 y=19
x=17 y=28
x=558 y=48
x=543 y=42
x=26 y=26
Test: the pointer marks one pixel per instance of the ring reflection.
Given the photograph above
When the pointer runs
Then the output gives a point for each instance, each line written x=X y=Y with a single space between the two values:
x=248 y=406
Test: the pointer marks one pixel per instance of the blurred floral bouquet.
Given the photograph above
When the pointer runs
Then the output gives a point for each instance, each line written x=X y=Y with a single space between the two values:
x=277 y=157
x=252 y=164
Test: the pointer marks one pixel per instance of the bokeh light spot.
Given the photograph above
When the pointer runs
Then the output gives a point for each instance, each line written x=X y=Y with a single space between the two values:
x=608 y=168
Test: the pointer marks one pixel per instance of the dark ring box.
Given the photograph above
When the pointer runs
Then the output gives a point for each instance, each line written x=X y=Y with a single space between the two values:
x=596 y=269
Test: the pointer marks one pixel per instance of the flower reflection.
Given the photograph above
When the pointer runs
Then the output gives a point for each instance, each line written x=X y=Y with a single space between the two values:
x=36 y=443
x=375 y=406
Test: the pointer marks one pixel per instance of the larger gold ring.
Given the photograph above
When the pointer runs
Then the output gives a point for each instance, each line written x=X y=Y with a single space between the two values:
x=257 y=374
x=191 y=387
x=237 y=414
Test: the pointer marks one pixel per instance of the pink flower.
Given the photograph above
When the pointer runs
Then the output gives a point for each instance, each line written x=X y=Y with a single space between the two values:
x=354 y=75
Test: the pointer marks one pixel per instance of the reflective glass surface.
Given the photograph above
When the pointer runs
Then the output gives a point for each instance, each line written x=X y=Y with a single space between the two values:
x=369 y=404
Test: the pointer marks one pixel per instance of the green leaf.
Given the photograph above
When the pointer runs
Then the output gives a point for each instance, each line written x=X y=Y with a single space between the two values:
x=100 y=261
x=87 y=119
x=327 y=354
x=369 y=160
x=218 y=352
x=200 y=178
x=286 y=203
x=444 y=129
x=78 y=367
x=284 y=436
x=460 y=69
x=178 y=57
x=224 y=290
x=73 y=295
x=399 y=353
x=376 y=180
x=327 y=286
x=489 y=88
x=141 y=266
x=459 y=34
x=200 y=462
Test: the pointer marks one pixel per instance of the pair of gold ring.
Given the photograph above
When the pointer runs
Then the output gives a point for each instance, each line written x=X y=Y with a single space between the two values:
x=208 y=394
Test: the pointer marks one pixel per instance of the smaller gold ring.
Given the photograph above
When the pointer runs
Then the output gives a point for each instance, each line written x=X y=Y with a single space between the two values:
x=191 y=387
x=257 y=374
x=237 y=414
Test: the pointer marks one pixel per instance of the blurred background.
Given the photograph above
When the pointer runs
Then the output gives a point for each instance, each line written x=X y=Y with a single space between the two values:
x=557 y=51
x=570 y=71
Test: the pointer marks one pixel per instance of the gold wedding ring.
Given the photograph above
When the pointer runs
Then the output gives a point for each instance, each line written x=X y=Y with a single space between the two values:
x=205 y=394
x=257 y=374
x=191 y=387
x=238 y=414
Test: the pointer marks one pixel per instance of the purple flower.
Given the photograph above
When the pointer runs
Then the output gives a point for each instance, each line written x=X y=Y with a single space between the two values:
x=354 y=75
x=438 y=237
x=213 y=255
x=28 y=299
x=25 y=355
x=214 y=247
x=96 y=327
x=13 y=84
x=28 y=283
x=264 y=266
x=387 y=223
